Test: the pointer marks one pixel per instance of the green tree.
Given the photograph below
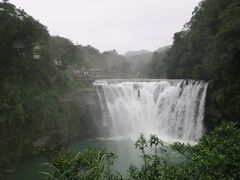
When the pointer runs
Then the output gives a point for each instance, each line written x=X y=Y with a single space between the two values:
x=26 y=74
x=65 y=51
x=208 y=49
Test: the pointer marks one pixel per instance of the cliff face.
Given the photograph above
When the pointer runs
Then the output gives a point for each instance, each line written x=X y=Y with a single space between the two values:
x=88 y=115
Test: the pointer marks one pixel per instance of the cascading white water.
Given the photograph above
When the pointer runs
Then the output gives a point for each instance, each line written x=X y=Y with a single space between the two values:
x=172 y=109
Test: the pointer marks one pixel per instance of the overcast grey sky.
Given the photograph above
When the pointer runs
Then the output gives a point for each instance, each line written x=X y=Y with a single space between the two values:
x=112 y=24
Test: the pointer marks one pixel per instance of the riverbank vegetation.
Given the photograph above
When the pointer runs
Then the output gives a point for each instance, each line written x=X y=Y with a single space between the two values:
x=215 y=156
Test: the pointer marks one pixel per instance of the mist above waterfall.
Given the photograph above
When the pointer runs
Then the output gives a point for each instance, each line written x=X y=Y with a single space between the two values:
x=171 y=109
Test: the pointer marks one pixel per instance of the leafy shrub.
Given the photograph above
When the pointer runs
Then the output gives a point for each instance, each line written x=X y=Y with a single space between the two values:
x=216 y=156
x=90 y=164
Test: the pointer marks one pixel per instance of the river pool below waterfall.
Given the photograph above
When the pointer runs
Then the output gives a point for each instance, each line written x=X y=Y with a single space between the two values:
x=123 y=147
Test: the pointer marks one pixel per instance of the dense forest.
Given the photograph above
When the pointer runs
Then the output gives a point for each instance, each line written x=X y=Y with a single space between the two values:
x=208 y=48
x=40 y=83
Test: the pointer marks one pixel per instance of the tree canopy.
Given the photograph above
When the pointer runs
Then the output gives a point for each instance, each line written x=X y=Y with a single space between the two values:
x=208 y=49
x=30 y=102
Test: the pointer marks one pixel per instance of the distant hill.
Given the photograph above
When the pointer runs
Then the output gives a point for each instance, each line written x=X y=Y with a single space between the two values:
x=134 y=53
x=108 y=62
x=138 y=60
x=162 y=49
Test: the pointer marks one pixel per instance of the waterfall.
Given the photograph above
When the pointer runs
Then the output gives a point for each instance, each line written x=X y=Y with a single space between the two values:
x=171 y=109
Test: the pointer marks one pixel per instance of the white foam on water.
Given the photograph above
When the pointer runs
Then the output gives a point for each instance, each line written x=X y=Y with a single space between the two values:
x=171 y=109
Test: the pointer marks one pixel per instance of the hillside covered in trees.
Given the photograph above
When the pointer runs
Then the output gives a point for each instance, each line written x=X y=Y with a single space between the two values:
x=38 y=74
x=109 y=63
x=31 y=86
x=40 y=79
x=208 y=48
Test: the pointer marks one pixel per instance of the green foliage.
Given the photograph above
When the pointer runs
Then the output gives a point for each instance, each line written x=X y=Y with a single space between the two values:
x=64 y=50
x=32 y=90
x=208 y=49
x=89 y=164
x=157 y=67
x=155 y=157
x=215 y=156
x=24 y=80
x=19 y=34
